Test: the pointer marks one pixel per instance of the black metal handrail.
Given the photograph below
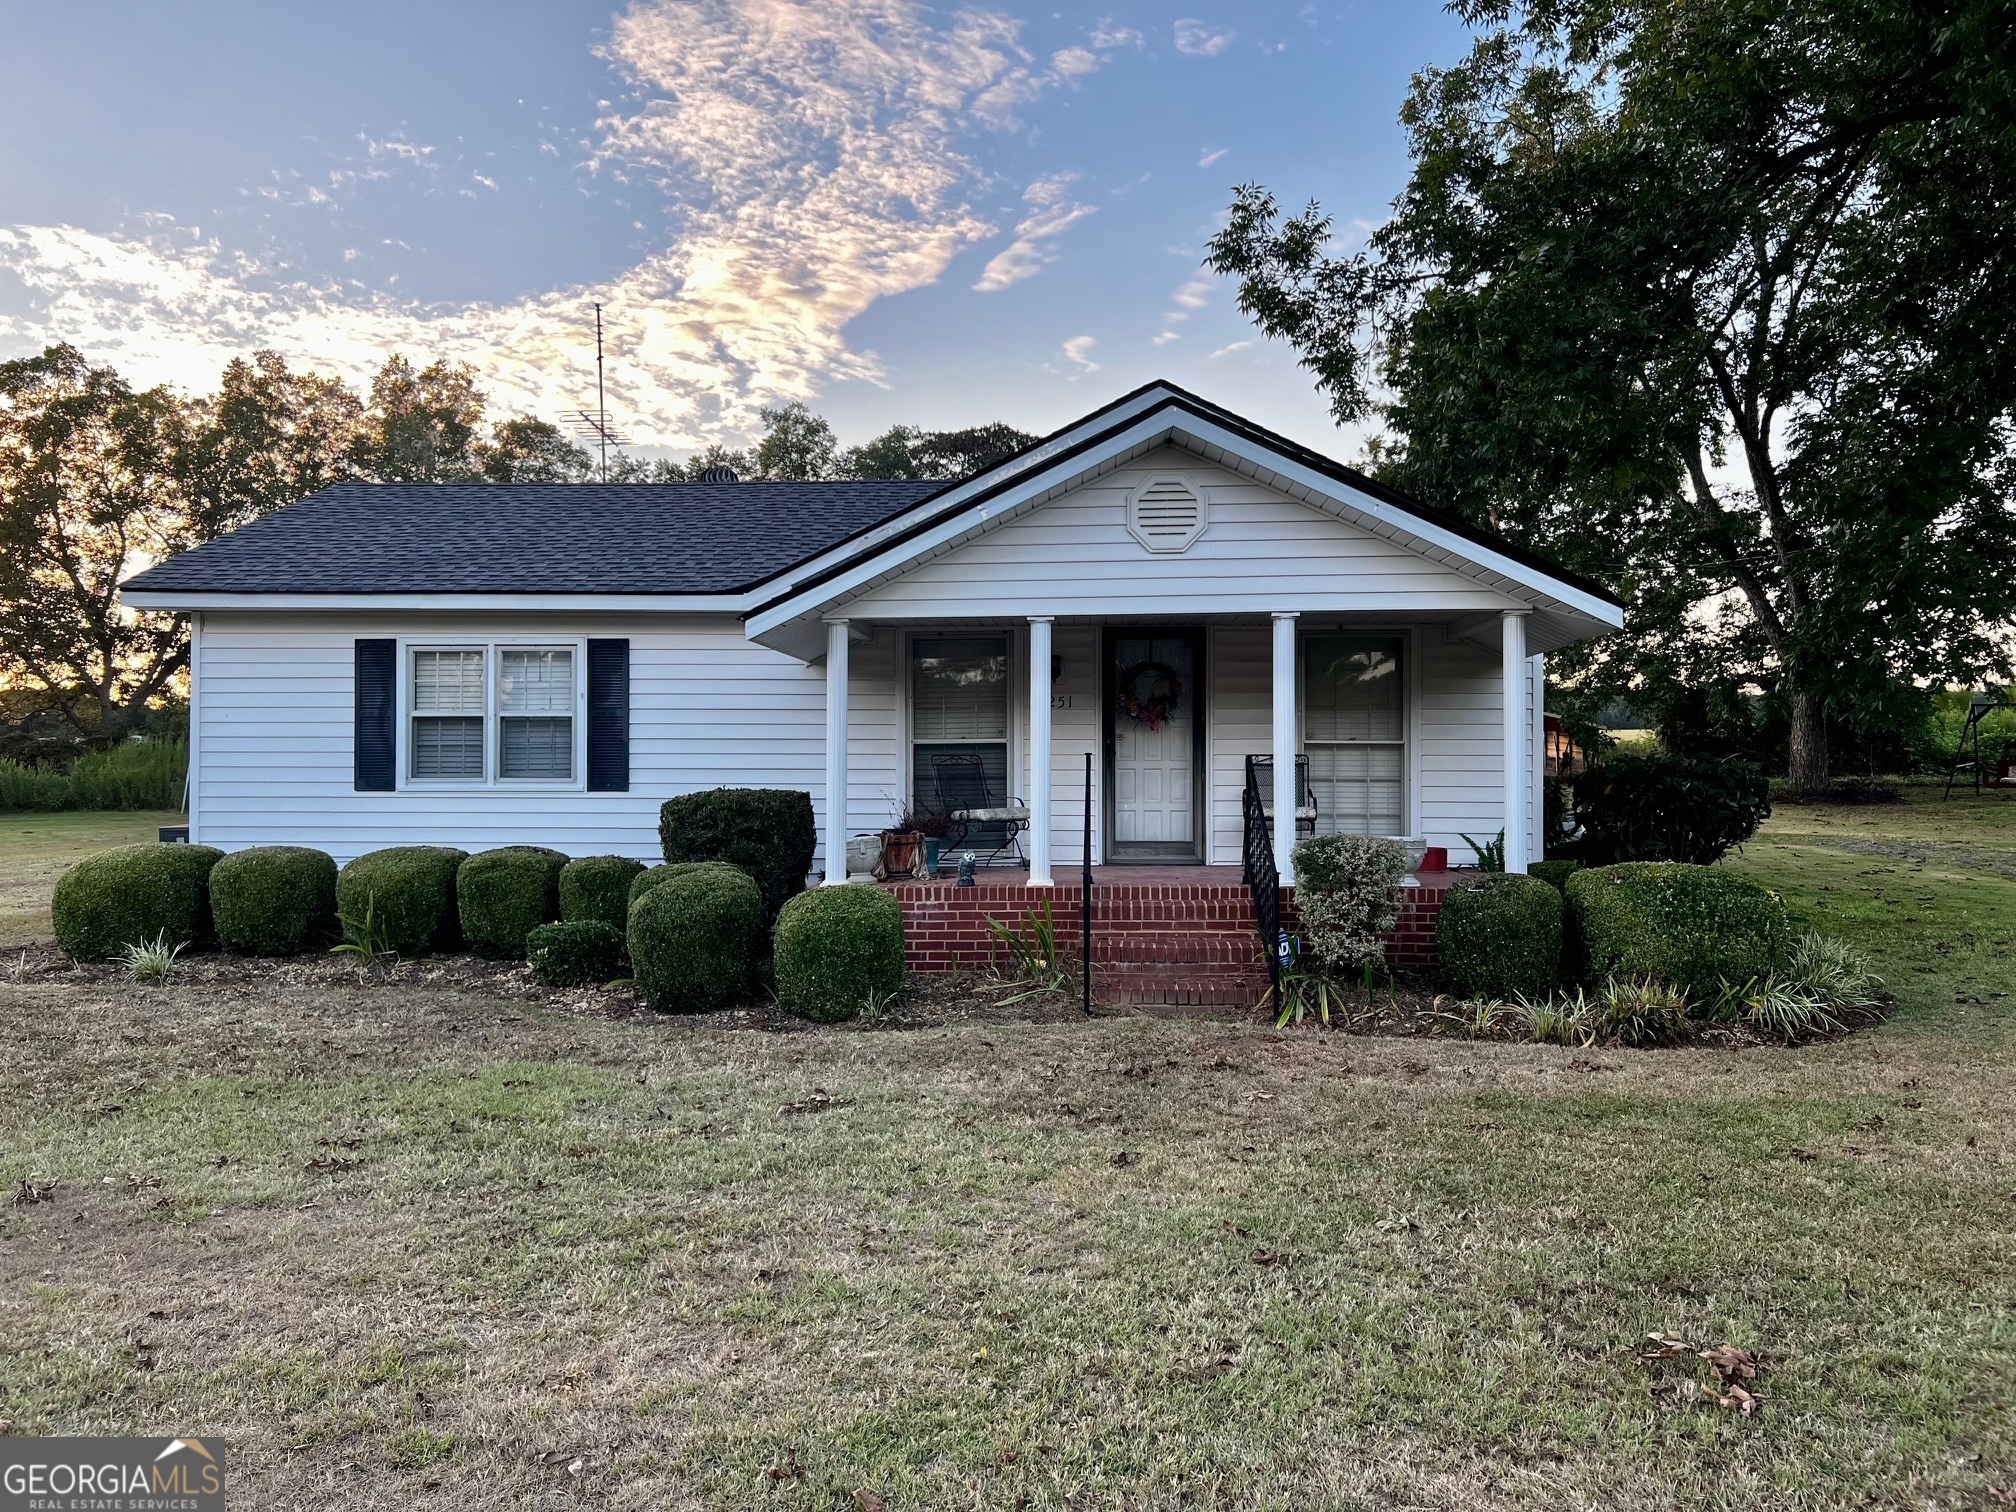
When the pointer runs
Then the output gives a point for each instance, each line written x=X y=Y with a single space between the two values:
x=1262 y=876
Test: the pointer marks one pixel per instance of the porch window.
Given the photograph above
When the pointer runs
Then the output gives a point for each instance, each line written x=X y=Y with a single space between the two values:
x=959 y=707
x=1354 y=728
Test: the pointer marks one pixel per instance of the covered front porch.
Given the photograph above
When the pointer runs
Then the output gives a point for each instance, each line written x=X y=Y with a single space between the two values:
x=1425 y=728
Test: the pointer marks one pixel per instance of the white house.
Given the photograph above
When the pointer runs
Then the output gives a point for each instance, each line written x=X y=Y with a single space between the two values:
x=1162 y=585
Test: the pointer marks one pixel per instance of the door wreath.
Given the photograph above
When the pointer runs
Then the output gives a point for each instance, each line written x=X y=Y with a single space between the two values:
x=1150 y=691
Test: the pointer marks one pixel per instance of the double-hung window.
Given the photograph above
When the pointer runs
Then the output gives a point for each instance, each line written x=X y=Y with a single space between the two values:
x=959 y=726
x=491 y=713
x=1354 y=729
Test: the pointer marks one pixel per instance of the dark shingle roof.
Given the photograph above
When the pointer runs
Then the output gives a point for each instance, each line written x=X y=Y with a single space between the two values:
x=533 y=538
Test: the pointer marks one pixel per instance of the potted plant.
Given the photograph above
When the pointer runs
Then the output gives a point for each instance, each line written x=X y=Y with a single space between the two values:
x=934 y=824
x=910 y=846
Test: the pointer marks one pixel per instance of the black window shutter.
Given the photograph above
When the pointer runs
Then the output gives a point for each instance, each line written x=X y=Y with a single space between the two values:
x=609 y=716
x=377 y=704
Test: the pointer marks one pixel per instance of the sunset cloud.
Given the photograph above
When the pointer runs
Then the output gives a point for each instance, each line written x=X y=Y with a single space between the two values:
x=815 y=158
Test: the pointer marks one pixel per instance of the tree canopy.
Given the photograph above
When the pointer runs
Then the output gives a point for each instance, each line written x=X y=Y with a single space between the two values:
x=98 y=480
x=1715 y=300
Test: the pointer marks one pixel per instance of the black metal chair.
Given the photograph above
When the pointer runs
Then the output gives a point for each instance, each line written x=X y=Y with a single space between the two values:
x=965 y=794
x=1262 y=768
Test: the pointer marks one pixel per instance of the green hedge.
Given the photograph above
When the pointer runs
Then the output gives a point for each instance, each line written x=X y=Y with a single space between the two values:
x=693 y=939
x=502 y=895
x=274 y=900
x=1691 y=926
x=665 y=871
x=1500 y=934
x=136 y=774
x=129 y=896
x=575 y=953
x=836 y=948
x=768 y=832
x=598 y=887
x=410 y=891
x=1554 y=873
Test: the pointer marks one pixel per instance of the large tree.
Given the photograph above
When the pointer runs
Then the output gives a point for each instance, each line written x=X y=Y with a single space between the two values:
x=1715 y=299
x=91 y=488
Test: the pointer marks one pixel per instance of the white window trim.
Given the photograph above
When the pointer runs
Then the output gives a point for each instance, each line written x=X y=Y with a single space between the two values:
x=1018 y=724
x=1410 y=706
x=490 y=782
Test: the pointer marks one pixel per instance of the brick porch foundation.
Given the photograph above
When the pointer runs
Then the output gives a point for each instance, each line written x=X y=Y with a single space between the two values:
x=1163 y=935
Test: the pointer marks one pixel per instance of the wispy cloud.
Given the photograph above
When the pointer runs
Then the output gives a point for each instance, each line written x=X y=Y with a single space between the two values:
x=1197 y=40
x=1212 y=156
x=1053 y=213
x=1228 y=350
x=1109 y=33
x=1079 y=350
x=816 y=154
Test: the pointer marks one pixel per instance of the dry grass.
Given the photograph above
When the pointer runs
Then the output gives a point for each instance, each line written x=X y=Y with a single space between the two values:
x=426 y=1242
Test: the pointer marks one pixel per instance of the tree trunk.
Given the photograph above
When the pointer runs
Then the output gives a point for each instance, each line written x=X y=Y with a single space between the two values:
x=1810 y=770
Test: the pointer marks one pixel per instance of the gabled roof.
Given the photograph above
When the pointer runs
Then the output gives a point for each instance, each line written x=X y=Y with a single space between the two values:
x=1568 y=607
x=532 y=538
x=778 y=551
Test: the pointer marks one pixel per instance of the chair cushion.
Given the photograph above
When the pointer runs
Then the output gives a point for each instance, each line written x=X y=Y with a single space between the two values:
x=992 y=815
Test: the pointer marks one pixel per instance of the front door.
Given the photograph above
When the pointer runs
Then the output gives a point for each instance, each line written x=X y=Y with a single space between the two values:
x=1155 y=744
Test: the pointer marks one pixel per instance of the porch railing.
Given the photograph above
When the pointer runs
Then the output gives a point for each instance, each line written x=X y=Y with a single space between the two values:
x=1261 y=875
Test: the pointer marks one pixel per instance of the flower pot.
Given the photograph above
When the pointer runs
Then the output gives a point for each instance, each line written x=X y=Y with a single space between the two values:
x=933 y=844
x=900 y=849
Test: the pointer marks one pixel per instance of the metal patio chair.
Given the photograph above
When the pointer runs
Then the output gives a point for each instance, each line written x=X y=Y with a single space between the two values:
x=966 y=795
x=1262 y=768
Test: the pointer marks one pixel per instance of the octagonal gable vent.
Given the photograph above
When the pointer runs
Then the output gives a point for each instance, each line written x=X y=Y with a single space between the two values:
x=1166 y=514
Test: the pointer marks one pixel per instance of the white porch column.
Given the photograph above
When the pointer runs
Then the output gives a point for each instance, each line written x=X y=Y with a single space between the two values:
x=1039 y=750
x=836 y=751
x=1518 y=728
x=1284 y=747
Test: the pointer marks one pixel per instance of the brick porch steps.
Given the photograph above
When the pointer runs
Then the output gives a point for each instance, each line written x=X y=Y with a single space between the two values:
x=1161 y=936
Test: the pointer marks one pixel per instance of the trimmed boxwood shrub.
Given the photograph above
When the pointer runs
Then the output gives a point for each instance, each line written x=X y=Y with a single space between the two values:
x=1500 y=934
x=1691 y=926
x=835 y=947
x=693 y=939
x=665 y=871
x=598 y=887
x=503 y=895
x=409 y=891
x=273 y=900
x=131 y=895
x=1554 y=873
x=575 y=953
x=768 y=832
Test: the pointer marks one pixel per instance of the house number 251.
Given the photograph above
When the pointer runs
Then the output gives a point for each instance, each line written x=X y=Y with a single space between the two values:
x=1060 y=701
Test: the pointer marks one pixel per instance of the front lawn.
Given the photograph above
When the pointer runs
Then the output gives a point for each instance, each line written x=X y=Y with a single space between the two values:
x=425 y=1245
x=35 y=848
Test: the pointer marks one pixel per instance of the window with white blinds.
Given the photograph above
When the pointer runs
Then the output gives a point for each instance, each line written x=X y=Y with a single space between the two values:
x=448 y=710
x=491 y=713
x=1355 y=730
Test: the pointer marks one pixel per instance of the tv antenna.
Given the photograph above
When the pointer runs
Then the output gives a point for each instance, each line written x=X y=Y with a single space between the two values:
x=594 y=425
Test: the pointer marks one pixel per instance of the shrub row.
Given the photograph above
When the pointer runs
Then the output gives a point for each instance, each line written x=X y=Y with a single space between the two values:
x=1690 y=927
x=695 y=927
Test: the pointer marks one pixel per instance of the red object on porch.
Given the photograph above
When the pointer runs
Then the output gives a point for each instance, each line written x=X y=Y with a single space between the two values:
x=1165 y=936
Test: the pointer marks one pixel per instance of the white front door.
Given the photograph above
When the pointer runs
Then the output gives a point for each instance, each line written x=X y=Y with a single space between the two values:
x=1154 y=711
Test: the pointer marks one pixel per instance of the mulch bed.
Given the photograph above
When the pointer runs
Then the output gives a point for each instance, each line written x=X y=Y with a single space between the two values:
x=1406 y=1008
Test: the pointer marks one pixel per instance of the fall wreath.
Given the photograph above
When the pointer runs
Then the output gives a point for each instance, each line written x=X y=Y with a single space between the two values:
x=1150 y=691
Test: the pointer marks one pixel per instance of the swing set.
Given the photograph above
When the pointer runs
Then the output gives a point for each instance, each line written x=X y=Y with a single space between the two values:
x=1968 y=757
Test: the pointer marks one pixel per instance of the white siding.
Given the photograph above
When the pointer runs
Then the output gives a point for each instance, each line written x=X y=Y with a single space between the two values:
x=1262 y=552
x=1461 y=762
x=274 y=732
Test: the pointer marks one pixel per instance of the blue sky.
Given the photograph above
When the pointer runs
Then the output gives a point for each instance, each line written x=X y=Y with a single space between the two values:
x=897 y=213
